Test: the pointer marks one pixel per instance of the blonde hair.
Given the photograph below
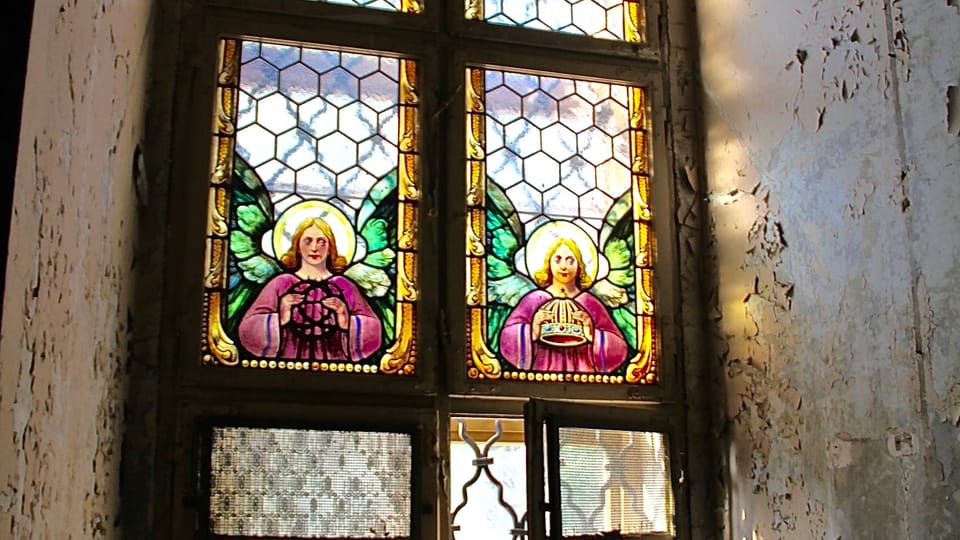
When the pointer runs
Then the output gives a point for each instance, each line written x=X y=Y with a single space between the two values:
x=292 y=259
x=544 y=276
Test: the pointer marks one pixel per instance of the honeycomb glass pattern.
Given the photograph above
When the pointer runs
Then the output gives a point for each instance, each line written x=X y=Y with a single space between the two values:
x=613 y=480
x=620 y=20
x=309 y=484
x=406 y=6
x=558 y=172
x=313 y=210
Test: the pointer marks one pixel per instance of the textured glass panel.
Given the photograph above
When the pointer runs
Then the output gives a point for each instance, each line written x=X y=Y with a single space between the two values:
x=311 y=242
x=487 y=479
x=310 y=484
x=558 y=234
x=613 y=480
x=605 y=19
x=408 y=6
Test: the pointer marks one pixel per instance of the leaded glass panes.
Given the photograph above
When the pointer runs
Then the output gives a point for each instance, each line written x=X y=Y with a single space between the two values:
x=621 y=20
x=406 y=6
x=559 y=243
x=309 y=484
x=311 y=241
x=614 y=480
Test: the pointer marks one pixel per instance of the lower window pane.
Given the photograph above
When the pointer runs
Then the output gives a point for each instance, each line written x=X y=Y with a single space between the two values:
x=612 y=480
x=488 y=496
x=309 y=484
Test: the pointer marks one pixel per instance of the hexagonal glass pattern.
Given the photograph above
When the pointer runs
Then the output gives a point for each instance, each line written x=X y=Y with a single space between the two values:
x=307 y=116
x=314 y=200
x=543 y=131
x=558 y=246
x=620 y=20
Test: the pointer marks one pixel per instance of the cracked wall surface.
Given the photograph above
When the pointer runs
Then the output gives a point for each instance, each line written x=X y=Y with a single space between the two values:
x=65 y=338
x=832 y=170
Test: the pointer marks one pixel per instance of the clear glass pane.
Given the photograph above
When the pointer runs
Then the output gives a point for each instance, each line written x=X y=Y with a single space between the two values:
x=612 y=480
x=620 y=20
x=487 y=479
x=310 y=484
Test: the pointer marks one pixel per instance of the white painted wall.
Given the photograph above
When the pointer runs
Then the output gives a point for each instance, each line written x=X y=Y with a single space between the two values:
x=64 y=342
x=834 y=187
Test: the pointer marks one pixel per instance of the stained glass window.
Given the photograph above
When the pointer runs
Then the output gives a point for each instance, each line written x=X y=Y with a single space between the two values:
x=559 y=243
x=407 y=6
x=621 y=20
x=309 y=483
x=311 y=240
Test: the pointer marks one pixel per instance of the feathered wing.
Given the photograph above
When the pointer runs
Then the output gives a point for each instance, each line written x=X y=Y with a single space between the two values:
x=505 y=285
x=376 y=272
x=251 y=216
x=617 y=289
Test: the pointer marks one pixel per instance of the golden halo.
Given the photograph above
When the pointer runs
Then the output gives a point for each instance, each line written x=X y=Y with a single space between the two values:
x=295 y=215
x=547 y=234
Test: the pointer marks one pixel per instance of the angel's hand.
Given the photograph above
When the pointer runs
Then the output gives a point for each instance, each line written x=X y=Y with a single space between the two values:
x=287 y=302
x=539 y=319
x=586 y=321
x=340 y=308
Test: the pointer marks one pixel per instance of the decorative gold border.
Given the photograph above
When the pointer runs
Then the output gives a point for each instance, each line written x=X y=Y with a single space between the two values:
x=217 y=347
x=482 y=363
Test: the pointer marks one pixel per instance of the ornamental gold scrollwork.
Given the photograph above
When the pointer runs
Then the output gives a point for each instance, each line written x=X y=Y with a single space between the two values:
x=406 y=277
x=476 y=189
x=475 y=227
x=633 y=21
x=474 y=10
x=222 y=157
x=408 y=83
x=217 y=211
x=642 y=367
x=230 y=65
x=407 y=184
x=216 y=266
x=474 y=91
x=483 y=358
x=399 y=358
x=221 y=346
x=476 y=295
x=411 y=6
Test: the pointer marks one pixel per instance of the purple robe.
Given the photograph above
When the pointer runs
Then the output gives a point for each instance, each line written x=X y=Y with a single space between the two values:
x=312 y=333
x=607 y=352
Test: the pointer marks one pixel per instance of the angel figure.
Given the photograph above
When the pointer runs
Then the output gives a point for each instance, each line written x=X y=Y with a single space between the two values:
x=325 y=292
x=561 y=327
x=556 y=304
x=312 y=311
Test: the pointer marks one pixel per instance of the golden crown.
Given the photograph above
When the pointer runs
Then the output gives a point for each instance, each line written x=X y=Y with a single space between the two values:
x=562 y=330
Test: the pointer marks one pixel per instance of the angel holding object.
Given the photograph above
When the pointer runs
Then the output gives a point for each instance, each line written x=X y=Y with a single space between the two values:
x=561 y=326
x=304 y=285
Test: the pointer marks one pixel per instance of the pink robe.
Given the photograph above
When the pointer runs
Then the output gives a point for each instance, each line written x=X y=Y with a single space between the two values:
x=261 y=334
x=607 y=352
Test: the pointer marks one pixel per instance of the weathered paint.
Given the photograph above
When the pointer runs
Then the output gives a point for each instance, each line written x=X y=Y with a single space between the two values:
x=64 y=344
x=832 y=186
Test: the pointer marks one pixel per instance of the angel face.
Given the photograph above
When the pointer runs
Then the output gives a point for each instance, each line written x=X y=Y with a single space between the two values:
x=564 y=266
x=314 y=246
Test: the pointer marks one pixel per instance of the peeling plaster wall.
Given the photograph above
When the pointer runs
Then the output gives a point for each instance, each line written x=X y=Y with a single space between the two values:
x=65 y=338
x=832 y=171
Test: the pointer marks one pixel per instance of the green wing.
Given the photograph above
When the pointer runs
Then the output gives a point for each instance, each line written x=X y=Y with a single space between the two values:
x=251 y=216
x=505 y=286
x=618 y=289
x=376 y=273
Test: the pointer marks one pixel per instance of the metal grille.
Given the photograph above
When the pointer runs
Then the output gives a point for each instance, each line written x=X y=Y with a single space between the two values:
x=614 y=481
x=310 y=484
x=488 y=480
